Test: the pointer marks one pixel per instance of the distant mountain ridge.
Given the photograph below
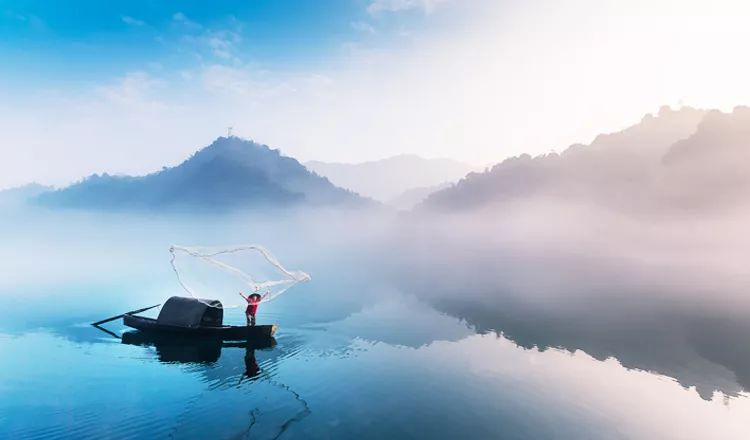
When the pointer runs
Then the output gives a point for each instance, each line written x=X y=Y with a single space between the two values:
x=21 y=194
x=387 y=179
x=231 y=173
x=412 y=197
x=681 y=159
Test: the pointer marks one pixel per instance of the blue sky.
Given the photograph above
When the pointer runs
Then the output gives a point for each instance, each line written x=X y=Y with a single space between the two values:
x=87 y=40
x=77 y=42
x=130 y=86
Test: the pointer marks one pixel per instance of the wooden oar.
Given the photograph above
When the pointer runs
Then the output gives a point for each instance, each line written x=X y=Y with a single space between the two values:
x=126 y=313
x=109 y=332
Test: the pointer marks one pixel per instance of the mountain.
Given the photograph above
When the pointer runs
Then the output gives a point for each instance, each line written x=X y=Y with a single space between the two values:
x=22 y=194
x=412 y=197
x=711 y=168
x=231 y=173
x=645 y=166
x=388 y=178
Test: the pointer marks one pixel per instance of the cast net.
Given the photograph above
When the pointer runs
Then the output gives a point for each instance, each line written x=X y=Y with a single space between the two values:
x=224 y=273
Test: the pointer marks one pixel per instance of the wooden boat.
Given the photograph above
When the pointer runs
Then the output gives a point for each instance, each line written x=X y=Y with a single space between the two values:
x=196 y=317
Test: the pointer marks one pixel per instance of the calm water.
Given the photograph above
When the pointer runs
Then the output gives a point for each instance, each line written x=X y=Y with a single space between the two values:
x=356 y=355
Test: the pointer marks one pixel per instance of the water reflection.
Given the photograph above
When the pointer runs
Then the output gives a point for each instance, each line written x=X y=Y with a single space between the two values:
x=698 y=350
x=244 y=397
x=360 y=354
x=295 y=388
x=177 y=349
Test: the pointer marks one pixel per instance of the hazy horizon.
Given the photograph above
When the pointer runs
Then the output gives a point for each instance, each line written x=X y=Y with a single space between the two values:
x=367 y=162
x=131 y=89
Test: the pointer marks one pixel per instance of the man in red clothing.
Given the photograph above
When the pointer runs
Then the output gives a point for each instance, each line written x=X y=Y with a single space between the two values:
x=253 y=301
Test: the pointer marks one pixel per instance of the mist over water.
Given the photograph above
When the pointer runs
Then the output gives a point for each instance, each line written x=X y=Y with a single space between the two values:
x=658 y=292
x=506 y=312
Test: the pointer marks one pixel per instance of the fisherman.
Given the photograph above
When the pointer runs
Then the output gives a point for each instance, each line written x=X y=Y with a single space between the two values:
x=253 y=301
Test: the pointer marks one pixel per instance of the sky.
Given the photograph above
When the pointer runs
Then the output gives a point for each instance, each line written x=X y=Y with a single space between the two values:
x=131 y=86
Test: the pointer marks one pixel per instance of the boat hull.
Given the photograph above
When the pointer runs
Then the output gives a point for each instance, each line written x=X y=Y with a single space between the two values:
x=226 y=332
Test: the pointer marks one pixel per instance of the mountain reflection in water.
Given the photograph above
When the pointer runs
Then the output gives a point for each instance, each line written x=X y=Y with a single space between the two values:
x=341 y=380
x=702 y=351
x=438 y=350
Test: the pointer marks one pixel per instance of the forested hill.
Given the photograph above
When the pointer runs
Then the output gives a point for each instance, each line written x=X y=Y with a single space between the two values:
x=231 y=173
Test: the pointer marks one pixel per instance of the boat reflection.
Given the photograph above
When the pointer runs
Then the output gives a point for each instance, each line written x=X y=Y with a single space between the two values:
x=192 y=350
x=272 y=405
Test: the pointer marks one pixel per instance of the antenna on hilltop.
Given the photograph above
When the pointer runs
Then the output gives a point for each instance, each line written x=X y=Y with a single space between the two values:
x=229 y=131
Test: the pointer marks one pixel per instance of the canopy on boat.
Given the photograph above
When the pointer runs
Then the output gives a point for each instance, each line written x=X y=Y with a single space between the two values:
x=191 y=312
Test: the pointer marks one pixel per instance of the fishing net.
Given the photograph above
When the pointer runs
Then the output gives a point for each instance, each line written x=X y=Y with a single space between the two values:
x=223 y=273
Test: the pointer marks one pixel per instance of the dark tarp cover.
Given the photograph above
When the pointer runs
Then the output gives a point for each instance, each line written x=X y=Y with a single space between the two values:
x=191 y=312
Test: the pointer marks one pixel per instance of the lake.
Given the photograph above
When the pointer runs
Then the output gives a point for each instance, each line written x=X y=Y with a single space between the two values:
x=368 y=349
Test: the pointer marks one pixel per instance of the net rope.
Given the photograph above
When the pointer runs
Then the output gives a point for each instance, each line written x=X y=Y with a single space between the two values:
x=270 y=289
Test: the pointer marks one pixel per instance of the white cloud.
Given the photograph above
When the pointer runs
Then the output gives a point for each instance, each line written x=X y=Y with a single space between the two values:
x=133 y=88
x=361 y=26
x=132 y=21
x=222 y=42
x=378 y=6
x=181 y=18
x=234 y=83
x=218 y=42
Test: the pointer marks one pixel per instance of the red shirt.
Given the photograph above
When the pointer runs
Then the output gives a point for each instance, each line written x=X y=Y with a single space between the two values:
x=252 y=307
